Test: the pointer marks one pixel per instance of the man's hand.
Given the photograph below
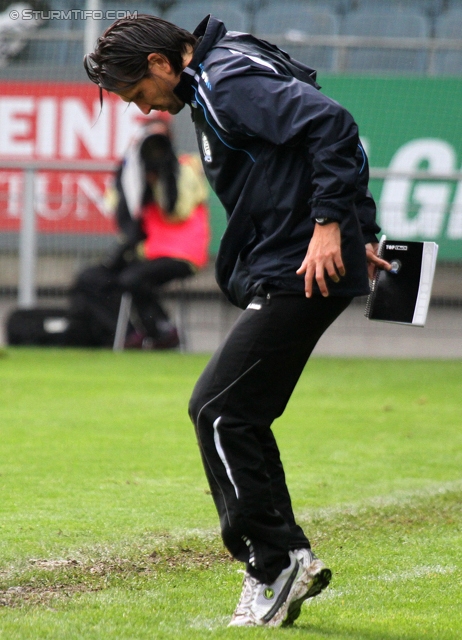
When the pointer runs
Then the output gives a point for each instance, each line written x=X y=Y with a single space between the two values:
x=373 y=261
x=324 y=254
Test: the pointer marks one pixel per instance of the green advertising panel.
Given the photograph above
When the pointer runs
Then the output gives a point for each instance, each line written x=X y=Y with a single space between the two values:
x=406 y=124
x=411 y=124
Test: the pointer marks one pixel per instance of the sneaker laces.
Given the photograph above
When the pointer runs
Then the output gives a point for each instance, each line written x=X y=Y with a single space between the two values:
x=249 y=585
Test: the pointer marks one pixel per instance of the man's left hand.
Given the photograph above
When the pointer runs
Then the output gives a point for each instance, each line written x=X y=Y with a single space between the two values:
x=373 y=261
x=324 y=255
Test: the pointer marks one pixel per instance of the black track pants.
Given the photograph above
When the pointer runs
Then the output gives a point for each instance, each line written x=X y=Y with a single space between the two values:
x=245 y=386
x=142 y=278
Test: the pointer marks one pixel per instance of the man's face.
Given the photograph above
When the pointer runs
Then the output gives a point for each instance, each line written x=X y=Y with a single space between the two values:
x=153 y=93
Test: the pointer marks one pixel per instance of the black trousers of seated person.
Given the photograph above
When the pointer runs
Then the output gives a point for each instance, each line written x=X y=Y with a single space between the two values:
x=244 y=388
x=142 y=278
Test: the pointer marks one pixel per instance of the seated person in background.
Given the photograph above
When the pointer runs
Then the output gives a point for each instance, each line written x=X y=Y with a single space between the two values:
x=159 y=202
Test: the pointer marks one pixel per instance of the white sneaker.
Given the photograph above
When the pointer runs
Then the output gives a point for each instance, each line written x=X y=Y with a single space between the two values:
x=268 y=604
x=318 y=576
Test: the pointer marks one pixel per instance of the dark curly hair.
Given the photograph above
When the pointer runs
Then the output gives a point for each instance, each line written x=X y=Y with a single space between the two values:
x=119 y=60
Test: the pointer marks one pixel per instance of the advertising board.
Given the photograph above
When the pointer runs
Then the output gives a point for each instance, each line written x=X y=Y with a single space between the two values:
x=45 y=121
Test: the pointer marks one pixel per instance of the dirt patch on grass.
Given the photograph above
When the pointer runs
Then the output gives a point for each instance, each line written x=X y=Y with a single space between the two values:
x=47 y=581
x=39 y=595
x=187 y=558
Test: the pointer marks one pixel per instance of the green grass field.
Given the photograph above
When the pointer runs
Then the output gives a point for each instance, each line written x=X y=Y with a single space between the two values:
x=107 y=529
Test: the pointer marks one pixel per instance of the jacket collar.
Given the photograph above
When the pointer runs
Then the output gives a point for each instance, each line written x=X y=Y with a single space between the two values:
x=208 y=33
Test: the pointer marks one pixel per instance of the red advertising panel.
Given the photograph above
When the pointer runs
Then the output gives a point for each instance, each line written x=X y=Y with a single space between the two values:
x=43 y=121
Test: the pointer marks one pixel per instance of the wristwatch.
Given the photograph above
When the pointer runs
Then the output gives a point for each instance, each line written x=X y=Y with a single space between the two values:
x=323 y=221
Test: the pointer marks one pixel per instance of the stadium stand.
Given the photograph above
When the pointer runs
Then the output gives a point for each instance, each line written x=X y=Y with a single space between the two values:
x=419 y=7
x=64 y=52
x=386 y=25
x=296 y=23
x=452 y=4
x=188 y=16
x=449 y=25
x=14 y=32
x=55 y=49
x=339 y=7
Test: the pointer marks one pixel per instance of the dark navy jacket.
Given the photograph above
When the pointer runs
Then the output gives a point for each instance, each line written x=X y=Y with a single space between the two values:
x=278 y=153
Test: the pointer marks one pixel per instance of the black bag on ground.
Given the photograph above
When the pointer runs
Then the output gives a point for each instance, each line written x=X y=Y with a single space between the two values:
x=41 y=326
x=90 y=320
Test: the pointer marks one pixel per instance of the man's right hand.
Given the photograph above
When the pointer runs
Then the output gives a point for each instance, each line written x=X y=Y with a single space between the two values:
x=324 y=255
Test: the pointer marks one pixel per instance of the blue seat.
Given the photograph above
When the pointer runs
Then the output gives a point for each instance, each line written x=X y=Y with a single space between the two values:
x=54 y=52
x=453 y=5
x=419 y=7
x=295 y=23
x=257 y=8
x=188 y=15
x=386 y=25
x=61 y=25
x=449 y=25
x=296 y=17
x=338 y=7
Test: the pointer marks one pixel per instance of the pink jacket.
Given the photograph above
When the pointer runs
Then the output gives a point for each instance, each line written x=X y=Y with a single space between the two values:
x=185 y=240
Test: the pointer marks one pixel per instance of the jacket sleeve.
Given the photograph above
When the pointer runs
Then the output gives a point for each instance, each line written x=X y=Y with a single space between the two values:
x=364 y=202
x=282 y=110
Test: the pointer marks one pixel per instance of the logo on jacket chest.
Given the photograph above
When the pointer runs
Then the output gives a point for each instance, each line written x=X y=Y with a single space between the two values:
x=206 y=150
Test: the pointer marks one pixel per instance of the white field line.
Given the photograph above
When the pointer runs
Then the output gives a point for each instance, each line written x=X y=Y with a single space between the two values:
x=415 y=573
x=209 y=624
x=396 y=498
